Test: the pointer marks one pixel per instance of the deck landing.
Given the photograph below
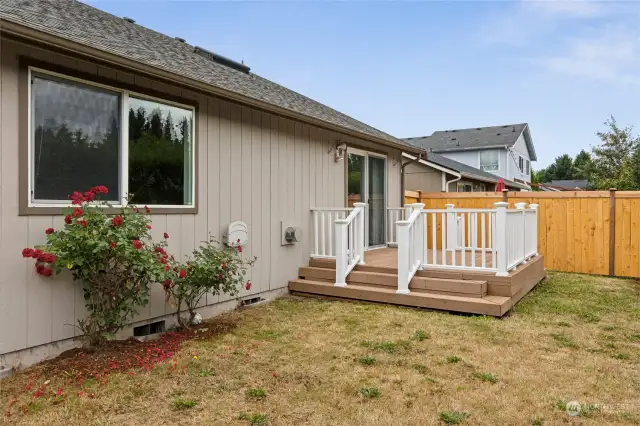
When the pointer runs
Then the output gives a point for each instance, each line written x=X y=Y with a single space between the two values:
x=447 y=289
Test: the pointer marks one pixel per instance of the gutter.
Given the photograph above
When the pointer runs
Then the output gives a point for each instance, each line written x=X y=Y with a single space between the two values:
x=76 y=50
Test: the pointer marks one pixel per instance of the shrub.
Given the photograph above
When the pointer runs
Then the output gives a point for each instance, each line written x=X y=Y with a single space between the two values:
x=369 y=392
x=112 y=255
x=211 y=269
x=453 y=417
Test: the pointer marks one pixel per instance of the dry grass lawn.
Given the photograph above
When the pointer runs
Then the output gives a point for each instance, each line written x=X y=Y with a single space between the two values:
x=319 y=362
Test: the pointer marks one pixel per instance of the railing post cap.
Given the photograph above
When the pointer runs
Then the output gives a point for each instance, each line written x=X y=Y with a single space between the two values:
x=520 y=206
x=449 y=206
x=359 y=204
x=421 y=205
x=534 y=206
x=501 y=204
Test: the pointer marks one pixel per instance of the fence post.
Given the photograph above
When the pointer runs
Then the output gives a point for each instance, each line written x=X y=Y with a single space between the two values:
x=452 y=228
x=501 y=238
x=534 y=228
x=612 y=231
x=360 y=228
x=342 y=257
x=523 y=219
x=505 y=196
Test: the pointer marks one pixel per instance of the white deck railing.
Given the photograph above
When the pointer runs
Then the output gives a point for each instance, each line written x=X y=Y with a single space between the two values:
x=349 y=243
x=324 y=230
x=395 y=214
x=493 y=240
x=411 y=246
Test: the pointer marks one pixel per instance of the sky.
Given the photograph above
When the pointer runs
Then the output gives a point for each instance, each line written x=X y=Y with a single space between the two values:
x=410 y=68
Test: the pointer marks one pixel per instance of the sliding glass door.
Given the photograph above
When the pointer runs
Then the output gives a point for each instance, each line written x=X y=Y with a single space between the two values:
x=367 y=183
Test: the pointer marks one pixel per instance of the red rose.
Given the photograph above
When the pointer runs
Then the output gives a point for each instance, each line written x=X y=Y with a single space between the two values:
x=159 y=250
x=83 y=222
x=47 y=258
x=100 y=189
x=166 y=235
x=49 y=231
x=137 y=210
x=39 y=268
x=27 y=252
x=36 y=253
x=113 y=244
x=67 y=219
x=166 y=267
x=47 y=272
x=137 y=244
x=219 y=276
x=182 y=274
x=147 y=209
x=248 y=285
x=163 y=260
x=224 y=266
x=167 y=283
x=89 y=196
x=117 y=221
x=76 y=198
x=239 y=249
x=77 y=212
x=148 y=226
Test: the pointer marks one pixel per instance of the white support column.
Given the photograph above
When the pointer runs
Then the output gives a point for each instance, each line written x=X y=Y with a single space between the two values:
x=534 y=227
x=501 y=238
x=361 y=230
x=342 y=259
x=403 y=257
x=452 y=229
x=420 y=235
x=523 y=230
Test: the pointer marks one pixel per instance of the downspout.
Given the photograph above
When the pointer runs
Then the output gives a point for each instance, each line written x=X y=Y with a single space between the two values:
x=451 y=181
x=415 y=160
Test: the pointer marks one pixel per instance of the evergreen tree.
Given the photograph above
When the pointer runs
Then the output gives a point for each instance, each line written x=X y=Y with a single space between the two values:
x=582 y=166
x=167 y=128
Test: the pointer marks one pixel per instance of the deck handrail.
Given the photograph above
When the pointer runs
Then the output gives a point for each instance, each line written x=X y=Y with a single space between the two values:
x=412 y=247
x=324 y=230
x=395 y=214
x=349 y=243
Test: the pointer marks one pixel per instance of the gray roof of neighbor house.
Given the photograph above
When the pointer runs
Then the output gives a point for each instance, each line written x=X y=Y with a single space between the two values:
x=91 y=27
x=570 y=184
x=468 y=171
x=475 y=138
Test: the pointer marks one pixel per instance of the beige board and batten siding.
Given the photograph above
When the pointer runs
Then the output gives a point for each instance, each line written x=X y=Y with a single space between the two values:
x=251 y=166
x=419 y=177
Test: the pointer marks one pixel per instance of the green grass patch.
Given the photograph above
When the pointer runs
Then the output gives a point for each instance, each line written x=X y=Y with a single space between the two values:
x=537 y=421
x=369 y=392
x=386 y=346
x=254 y=419
x=367 y=360
x=564 y=341
x=422 y=369
x=453 y=417
x=184 y=403
x=420 y=335
x=453 y=359
x=486 y=377
x=256 y=393
x=620 y=356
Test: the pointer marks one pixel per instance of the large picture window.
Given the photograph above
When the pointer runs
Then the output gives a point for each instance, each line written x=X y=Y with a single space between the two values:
x=489 y=161
x=83 y=135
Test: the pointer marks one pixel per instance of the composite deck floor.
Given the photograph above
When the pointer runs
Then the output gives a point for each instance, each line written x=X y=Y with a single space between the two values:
x=388 y=257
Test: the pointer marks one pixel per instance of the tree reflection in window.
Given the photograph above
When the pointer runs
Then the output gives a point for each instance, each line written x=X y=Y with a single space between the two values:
x=160 y=159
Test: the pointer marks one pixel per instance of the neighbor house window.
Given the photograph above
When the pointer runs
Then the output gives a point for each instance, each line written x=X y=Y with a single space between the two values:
x=527 y=164
x=465 y=187
x=521 y=164
x=83 y=135
x=489 y=161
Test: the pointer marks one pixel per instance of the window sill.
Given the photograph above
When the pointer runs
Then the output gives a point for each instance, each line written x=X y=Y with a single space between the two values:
x=57 y=211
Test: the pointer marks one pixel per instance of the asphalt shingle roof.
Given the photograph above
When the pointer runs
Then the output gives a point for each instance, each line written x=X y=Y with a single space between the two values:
x=468 y=170
x=571 y=184
x=466 y=139
x=84 y=24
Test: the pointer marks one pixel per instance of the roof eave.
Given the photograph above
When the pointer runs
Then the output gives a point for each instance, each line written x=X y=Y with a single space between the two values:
x=527 y=139
x=471 y=148
x=77 y=49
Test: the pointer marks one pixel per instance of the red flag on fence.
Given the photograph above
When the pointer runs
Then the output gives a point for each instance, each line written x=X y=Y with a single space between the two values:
x=500 y=185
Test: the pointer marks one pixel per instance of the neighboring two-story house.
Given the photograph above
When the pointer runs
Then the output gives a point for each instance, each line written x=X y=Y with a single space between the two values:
x=505 y=151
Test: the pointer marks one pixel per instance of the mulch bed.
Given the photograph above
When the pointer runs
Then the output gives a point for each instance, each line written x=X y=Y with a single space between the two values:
x=79 y=364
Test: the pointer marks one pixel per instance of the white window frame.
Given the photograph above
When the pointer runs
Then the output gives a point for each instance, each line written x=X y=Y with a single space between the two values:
x=521 y=163
x=527 y=164
x=480 y=166
x=123 y=143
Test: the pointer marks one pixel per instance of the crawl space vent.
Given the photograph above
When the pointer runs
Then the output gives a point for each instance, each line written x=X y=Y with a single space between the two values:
x=252 y=301
x=147 y=329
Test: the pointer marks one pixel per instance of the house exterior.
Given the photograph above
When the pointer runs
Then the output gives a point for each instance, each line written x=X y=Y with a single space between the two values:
x=505 y=151
x=437 y=173
x=248 y=150
x=570 y=185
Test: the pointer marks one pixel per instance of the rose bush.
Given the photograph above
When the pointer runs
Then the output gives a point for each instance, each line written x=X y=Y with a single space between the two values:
x=113 y=257
x=211 y=269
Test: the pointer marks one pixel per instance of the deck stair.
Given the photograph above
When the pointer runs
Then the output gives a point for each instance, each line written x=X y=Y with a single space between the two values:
x=446 y=290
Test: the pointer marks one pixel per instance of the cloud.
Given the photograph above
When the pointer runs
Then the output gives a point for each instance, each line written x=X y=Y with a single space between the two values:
x=566 y=8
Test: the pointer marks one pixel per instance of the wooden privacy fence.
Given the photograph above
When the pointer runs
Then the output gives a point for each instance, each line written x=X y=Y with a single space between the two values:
x=592 y=232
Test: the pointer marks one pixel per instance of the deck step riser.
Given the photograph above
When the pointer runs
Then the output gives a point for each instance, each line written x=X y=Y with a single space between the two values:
x=447 y=286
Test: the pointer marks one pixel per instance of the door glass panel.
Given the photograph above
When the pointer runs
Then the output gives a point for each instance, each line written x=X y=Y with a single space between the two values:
x=376 y=201
x=356 y=181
